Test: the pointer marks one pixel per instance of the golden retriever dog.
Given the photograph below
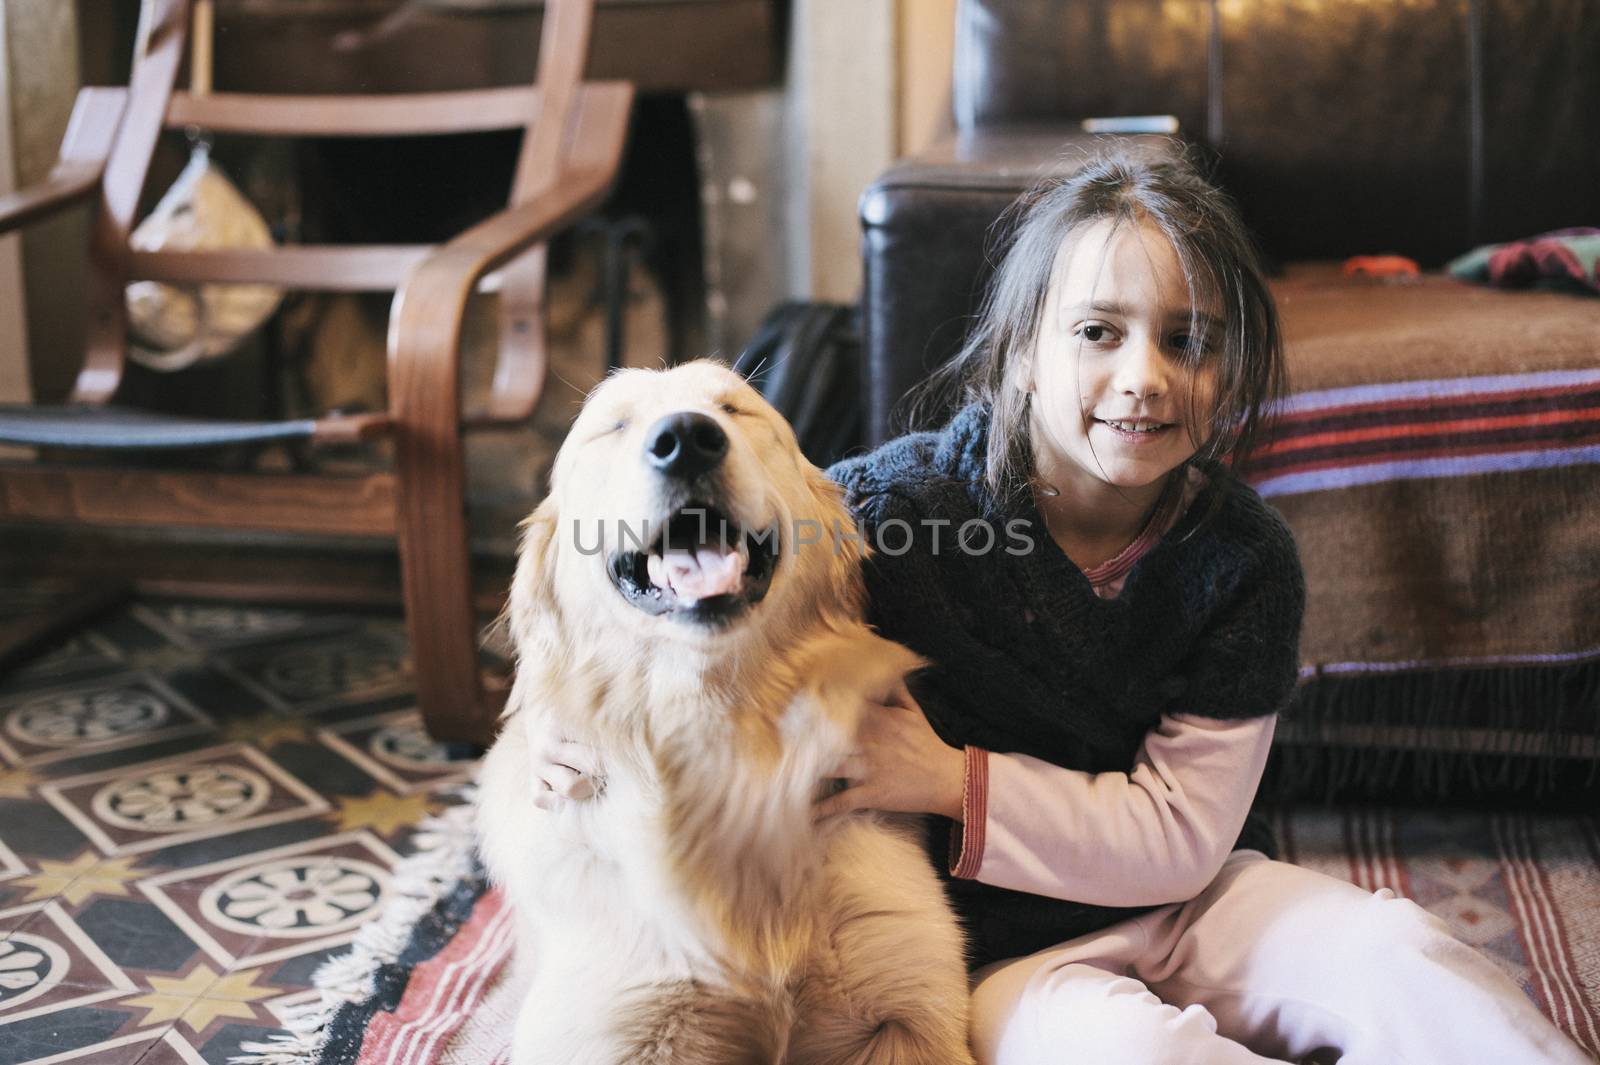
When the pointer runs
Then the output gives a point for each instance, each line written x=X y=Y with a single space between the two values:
x=688 y=602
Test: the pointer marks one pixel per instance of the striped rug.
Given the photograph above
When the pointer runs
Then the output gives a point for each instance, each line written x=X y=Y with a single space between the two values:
x=432 y=983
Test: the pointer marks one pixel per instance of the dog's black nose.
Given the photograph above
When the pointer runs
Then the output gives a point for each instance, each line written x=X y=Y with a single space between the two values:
x=685 y=444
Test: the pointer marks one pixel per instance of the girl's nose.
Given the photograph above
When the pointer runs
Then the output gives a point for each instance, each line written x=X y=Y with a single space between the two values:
x=1142 y=371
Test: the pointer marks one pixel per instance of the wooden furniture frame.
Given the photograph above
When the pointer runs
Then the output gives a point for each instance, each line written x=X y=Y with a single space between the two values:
x=570 y=155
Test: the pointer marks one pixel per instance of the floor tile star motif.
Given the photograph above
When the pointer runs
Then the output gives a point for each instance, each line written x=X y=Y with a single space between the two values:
x=83 y=876
x=15 y=783
x=200 y=997
x=381 y=812
x=265 y=730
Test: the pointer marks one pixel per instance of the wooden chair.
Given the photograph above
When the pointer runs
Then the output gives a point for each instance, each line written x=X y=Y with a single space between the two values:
x=569 y=158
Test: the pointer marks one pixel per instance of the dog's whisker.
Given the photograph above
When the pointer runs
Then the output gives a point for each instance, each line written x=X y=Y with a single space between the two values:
x=576 y=388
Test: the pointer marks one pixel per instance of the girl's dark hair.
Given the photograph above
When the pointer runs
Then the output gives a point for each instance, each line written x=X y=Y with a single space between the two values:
x=1219 y=264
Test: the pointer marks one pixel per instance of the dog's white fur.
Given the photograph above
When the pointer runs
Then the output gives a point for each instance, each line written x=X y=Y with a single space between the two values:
x=693 y=913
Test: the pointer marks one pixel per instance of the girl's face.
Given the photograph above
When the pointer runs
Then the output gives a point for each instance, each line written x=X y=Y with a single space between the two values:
x=1113 y=402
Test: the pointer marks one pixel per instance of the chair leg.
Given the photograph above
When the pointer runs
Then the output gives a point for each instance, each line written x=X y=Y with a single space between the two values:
x=436 y=579
x=435 y=569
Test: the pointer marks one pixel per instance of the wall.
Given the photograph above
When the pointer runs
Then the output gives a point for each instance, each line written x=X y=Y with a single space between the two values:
x=868 y=81
x=14 y=385
x=925 y=51
x=40 y=71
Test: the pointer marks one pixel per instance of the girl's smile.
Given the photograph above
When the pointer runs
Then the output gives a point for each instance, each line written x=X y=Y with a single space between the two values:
x=1136 y=430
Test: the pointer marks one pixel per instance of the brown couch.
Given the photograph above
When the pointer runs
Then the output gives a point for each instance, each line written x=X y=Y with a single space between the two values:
x=1439 y=459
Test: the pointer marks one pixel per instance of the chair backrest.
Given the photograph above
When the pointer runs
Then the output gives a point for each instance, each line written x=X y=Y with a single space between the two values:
x=1418 y=126
x=546 y=112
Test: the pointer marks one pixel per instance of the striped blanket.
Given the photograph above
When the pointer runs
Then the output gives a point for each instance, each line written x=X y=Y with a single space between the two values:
x=437 y=986
x=1439 y=462
x=1411 y=430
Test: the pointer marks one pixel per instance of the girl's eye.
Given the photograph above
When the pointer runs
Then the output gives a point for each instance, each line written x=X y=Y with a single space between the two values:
x=1094 y=332
x=1192 y=346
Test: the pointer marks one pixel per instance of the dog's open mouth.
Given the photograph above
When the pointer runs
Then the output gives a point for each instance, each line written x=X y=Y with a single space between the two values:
x=700 y=566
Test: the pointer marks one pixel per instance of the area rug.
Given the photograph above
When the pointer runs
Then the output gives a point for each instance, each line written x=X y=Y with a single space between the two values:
x=430 y=982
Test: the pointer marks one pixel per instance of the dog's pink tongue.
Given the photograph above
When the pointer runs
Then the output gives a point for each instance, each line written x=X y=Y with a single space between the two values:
x=699 y=574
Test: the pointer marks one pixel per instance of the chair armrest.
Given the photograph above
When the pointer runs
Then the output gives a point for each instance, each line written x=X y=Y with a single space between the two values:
x=91 y=131
x=425 y=324
x=66 y=186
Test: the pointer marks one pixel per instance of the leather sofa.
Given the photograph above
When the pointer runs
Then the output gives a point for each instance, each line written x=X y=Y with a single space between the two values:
x=1452 y=642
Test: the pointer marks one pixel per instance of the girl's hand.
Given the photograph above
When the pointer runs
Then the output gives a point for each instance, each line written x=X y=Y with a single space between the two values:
x=899 y=764
x=564 y=771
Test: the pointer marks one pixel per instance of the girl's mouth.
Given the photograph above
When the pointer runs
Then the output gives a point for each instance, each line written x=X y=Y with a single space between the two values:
x=1135 y=429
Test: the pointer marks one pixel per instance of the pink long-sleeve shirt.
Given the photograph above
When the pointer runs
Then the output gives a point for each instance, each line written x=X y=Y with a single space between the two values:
x=1158 y=834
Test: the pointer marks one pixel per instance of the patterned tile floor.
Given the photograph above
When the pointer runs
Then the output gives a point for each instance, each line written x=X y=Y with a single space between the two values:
x=198 y=805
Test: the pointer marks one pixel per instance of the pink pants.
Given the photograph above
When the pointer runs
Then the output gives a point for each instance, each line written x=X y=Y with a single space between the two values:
x=1271 y=963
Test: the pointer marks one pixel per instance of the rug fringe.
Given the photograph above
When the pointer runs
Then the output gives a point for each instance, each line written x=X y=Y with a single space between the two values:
x=1526 y=731
x=443 y=857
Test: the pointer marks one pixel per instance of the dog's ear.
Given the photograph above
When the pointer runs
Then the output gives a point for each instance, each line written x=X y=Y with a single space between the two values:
x=848 y=668
x=533 y=608
x=883 y=680
x=846 y=542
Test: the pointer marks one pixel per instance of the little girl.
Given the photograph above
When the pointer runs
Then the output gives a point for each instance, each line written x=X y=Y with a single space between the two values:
x=1113 y=620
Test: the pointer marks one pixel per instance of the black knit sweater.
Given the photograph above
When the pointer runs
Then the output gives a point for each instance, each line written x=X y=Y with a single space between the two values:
x=1027 y=659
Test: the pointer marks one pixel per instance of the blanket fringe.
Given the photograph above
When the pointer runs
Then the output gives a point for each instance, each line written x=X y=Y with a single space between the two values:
x=1528 y=733
x=444 y=856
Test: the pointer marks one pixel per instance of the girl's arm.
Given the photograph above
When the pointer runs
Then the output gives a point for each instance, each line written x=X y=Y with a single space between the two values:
x=1155 y=835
